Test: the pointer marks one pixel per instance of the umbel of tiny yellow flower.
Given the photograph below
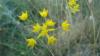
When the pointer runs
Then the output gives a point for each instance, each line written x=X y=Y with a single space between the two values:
x=50 y=22
x=24 y=16
x=31 y=42
x=65 y=25
x=36 y=28
x=51 y=40
x=43 y=13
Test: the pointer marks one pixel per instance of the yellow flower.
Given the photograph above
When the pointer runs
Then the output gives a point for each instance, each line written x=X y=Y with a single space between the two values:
x=44 y=26
x=43 y=13
x=71 y=2
x=36 y=28
x=31 y=42
x=65 y=25
x=51 y=40
x=44 y=30
x=73 y=6
x=50 y=22
x=24 y=16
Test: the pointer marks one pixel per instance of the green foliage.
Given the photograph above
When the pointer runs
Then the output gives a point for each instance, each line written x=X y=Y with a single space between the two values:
x=83 y=36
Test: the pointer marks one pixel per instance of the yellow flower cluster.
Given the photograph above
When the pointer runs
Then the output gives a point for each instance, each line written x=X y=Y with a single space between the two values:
x=73 y=6
x=44 y=29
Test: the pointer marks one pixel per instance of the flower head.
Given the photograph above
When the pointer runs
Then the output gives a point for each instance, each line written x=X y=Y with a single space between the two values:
x=31 y=42
x=73 y=6
x=45 y=30
x=36 y=28
x=43 y=13
x=65 y=25
x=24 y=16
x=51 y=40
x=50 y=22
x=44 y=26
x=71 y=2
